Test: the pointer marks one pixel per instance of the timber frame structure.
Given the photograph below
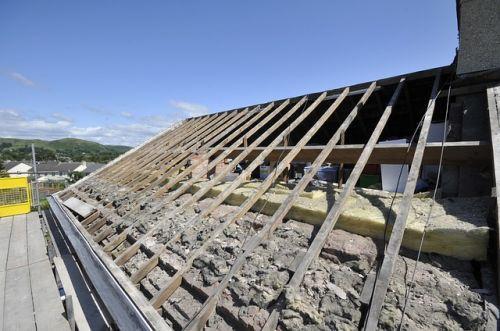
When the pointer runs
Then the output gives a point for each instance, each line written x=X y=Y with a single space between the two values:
x=340 y=126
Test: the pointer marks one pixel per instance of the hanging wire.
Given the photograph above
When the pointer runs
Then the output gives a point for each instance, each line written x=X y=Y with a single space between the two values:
x=389 y=212
x=409 y=290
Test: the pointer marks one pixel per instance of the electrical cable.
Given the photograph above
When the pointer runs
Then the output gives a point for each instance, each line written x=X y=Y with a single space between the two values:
x=412 y=281
x=389 y=212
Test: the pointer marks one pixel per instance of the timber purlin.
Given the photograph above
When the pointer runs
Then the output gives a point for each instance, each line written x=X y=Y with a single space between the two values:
x=281 y=132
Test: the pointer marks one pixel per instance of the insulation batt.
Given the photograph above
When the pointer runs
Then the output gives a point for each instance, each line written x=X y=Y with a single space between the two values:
x=457 y=226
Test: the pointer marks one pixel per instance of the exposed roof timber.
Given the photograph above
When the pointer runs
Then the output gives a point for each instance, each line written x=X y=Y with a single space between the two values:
x=165 y=293
x=201 y=318
x=392 y=250
x=192 y=144
x=334 y=213
x=138 y=155
x=215 y=136
x=493 y=94
x=110 y=246
x=455 y=153
x=223 y=152
x=198 y=195
x=203 y=139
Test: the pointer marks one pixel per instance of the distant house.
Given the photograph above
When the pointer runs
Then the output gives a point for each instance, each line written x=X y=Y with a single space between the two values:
x=51 y=170
x=55 y=168
x=17 y=169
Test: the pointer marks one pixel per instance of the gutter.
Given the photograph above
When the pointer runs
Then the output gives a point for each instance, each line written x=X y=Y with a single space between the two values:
x=124 y=312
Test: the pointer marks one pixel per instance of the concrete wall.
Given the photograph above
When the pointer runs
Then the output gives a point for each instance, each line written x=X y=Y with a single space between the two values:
x=479 y=29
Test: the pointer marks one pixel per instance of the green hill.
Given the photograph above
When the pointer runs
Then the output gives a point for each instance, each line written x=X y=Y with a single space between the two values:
x=62 y=149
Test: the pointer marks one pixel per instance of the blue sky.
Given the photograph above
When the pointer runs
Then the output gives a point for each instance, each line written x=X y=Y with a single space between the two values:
x=118 y=72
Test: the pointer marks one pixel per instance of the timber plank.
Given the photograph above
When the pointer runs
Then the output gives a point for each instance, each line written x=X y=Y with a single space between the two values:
x=37 y=248
x=2 y=288
x=18 y=247
x=493 y=95
x=457 y=153
x=392 y=250
x=81 y=208
x=46 y=301
x=18 y=305
x=5 y=233
x=79 y=315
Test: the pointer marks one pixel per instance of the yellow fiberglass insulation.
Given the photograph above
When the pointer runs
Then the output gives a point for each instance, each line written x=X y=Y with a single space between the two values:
x=457 y=226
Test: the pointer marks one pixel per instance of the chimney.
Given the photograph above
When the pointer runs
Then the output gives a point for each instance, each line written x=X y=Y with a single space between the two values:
x=479 y=35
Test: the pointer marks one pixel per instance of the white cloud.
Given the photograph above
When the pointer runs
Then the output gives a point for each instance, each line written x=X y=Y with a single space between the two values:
x=15 y=124
x=59 y=116
x=190 y=109
x=127 y=114
x=21 y=79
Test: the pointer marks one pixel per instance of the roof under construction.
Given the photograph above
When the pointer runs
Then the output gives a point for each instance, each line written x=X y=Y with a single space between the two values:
x=227 y=221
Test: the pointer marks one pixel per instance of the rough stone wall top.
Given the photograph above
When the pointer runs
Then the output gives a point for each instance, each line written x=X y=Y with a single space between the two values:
x=479 y=28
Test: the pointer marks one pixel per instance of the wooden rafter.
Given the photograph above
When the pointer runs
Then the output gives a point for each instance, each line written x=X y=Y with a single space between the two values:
x=150 y=153
x=127 y=254
x=392 y=250
x=136 y=160
x=135 y=154
x=131 y=250
x=255 y=163
x=334 y=213
x=175 y=280
x=248 y=122
x=200 y=319
x=120 y=238
x=198 y=144
x=493 y=95
x=164 y=158
x=242 y=154
x=161 y=152
x=283 y=164
x=215 y=136
x=173 y=181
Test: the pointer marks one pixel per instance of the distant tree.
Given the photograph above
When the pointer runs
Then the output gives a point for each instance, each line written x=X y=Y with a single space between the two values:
x=3 y=172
